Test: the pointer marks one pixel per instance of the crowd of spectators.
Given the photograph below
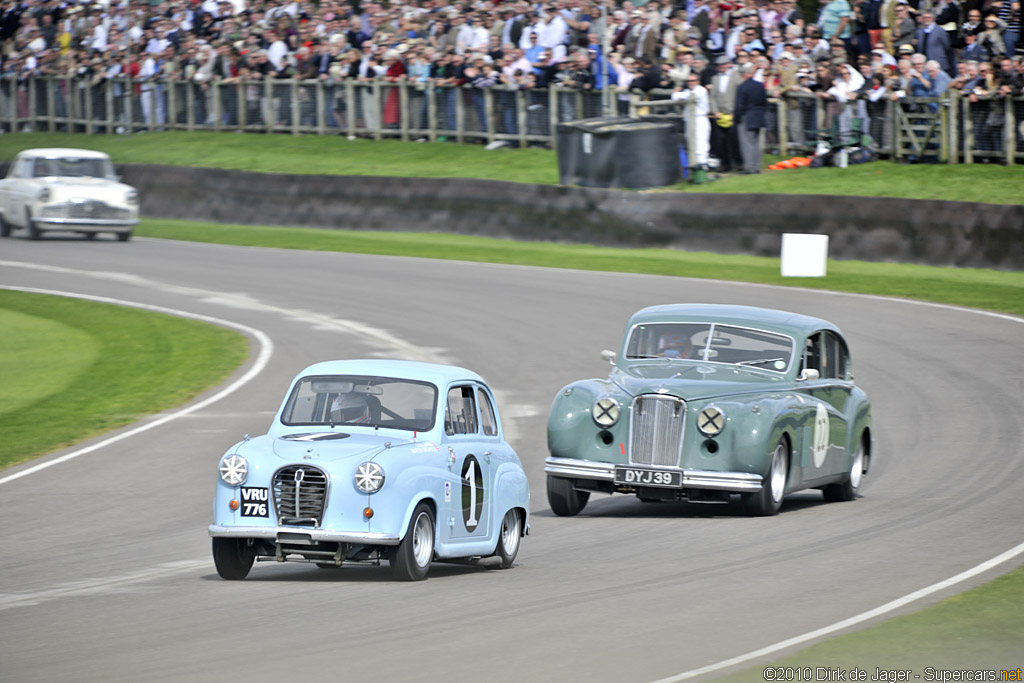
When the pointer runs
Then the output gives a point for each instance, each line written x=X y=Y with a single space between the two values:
x=868 y=51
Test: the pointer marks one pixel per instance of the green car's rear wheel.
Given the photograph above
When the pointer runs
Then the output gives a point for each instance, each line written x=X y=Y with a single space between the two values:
x=847 y=490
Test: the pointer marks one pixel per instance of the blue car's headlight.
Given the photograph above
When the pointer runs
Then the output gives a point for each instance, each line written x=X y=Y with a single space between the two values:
x=234 y=470
x=369 y=477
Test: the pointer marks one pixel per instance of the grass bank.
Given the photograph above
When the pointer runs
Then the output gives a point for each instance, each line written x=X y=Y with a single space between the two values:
x=75 y=369
x=980 y=630
x=336 y=155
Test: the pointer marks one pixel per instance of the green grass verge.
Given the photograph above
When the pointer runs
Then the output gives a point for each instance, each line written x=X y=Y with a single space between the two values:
x=976 y=288
x=982 y=629
x=74 y=369
x=337 y=155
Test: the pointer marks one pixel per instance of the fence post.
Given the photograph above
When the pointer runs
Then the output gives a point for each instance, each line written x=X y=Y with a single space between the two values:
x=521 y=117
x=488 y=122
x=897 y=131
x=1009 y=131
x=953 y=104
x=968 y=132
x=321 y=109
x=782 y=116
x=51 y=120
x=553 y=112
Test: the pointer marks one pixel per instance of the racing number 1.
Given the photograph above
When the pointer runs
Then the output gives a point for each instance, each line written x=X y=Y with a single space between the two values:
x=472 y=493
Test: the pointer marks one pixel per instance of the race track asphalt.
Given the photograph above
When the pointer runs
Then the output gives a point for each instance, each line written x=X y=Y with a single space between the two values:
x=105 y=566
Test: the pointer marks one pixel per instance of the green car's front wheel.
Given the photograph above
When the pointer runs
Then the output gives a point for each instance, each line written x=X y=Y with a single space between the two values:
x=768 y=500
x=565 y=500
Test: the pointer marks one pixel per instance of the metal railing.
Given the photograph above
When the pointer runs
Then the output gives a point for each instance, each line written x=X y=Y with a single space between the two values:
x=953 y=129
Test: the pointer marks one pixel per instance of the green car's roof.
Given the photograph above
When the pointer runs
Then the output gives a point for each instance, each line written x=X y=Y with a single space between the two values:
x=792 y=324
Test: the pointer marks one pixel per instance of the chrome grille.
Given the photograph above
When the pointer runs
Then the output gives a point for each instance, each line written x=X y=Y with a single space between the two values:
x=88 y=208
x=300 y=494
x=656 y=430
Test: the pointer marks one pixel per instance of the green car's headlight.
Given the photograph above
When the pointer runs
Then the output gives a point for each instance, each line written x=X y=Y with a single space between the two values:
x=369 y=477
x=606 y=412
x=234 y=470
x=711 y=421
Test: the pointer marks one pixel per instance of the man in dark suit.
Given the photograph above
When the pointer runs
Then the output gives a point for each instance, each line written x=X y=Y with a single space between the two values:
x=751 y=105
x=933 y=42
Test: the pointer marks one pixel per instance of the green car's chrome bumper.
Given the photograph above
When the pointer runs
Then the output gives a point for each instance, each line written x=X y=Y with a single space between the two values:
x=738 y=482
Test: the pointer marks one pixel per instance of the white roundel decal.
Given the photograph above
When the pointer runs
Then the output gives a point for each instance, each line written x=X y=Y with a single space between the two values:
x=820 y=445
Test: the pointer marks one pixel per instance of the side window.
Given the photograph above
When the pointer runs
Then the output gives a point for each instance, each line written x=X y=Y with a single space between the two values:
x=460 y=412
x=813 y=356
x=837 y=358
x=488 y=422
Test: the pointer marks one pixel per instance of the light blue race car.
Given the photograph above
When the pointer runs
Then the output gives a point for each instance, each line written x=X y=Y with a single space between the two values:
x=369 y=460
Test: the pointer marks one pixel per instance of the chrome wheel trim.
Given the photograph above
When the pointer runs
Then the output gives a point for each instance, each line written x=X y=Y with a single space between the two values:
x=423 y=540
x=510 y=532
x=857 y=471
x=778 y=473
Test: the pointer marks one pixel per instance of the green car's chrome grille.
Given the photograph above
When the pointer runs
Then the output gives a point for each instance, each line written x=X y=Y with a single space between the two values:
x=656 y=430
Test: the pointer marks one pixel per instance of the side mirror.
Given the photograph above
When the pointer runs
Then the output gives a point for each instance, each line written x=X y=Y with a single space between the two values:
x=808 y=373
x=608 y=356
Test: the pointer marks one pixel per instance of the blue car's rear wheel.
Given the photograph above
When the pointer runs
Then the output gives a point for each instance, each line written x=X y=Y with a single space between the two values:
x=508 y=538
x=233 y=557
x=410 y=559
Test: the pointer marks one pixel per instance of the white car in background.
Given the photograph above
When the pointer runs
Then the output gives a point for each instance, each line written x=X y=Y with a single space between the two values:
x=70 y=190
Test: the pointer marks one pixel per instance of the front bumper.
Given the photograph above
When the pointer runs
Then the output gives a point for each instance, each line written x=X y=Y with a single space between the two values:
x=98 y=224
x=301 y=535
x=737 y=482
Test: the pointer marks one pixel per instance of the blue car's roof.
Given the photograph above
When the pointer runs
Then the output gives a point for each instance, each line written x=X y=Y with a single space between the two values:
x=765 y=318
x=435 y=373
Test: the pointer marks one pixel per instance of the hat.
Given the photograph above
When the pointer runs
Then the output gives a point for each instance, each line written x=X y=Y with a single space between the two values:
x=786 y=55
x=906 y=48
x=636 y=13
x=724 y=59
x=684 y=50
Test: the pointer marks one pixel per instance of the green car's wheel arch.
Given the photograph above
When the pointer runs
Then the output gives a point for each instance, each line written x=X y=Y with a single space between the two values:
x=233 y=557
x=565 y=500
x=411 y=558
x=768 y=500
x=5 y=227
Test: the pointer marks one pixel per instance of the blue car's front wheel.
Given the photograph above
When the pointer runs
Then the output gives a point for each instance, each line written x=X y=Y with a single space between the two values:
x=233 y=557
x=410 y=560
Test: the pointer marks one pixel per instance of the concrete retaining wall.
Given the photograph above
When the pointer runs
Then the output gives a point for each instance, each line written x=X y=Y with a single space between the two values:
x=870 y=229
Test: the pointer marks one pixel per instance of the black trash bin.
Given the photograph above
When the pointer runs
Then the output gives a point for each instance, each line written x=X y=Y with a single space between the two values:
x=618 y=152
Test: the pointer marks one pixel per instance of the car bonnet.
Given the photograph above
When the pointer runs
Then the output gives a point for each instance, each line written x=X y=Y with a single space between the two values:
x=695 y=380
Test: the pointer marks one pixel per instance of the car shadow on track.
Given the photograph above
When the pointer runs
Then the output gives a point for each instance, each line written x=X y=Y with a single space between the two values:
x=625 y=507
